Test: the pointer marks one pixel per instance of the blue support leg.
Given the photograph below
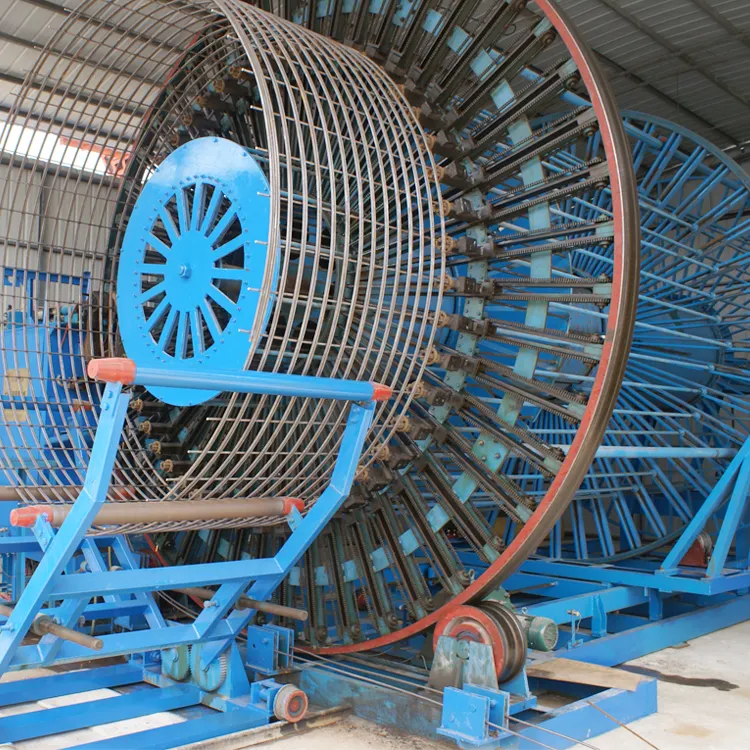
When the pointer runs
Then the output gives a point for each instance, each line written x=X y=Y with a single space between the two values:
x=73 y=530
x=308 y=528
x=709 y=506
x=732 y=517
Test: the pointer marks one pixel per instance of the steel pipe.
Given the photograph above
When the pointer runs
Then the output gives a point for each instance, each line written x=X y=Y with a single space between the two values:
x=245 y=602
x=644 y=451
x=175 y=512
x=45 y=625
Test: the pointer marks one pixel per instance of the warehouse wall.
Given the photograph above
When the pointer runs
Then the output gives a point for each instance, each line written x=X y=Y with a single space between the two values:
x=56 y=222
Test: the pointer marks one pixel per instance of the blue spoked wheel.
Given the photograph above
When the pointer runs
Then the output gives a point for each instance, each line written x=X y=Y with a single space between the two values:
x=196 y=278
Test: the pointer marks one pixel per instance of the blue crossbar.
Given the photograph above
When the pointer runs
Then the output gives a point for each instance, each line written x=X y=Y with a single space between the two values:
x=41 y=688
x=184 y=733
x=49 y=721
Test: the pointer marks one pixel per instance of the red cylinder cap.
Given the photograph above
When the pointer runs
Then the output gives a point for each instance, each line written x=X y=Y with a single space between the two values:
x=290 y=503
x=26 y=517
x=381 y=392
x=112 y=370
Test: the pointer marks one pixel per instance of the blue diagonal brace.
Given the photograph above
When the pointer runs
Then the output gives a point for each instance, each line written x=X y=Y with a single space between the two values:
x=127 y=561
x=732 y=516
x=711 y=504
x=75 y=526
x=218 y=606
x=352 y=443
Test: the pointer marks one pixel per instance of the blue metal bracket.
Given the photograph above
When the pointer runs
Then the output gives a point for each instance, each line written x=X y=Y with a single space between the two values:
x=475 y=715
x=458 y=661
x=270 y=649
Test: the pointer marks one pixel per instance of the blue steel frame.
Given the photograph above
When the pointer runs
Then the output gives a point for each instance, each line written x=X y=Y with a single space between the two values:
x=474 y=716
x=615 y=612
x=608 y=623
x=216 y=624
x=255 y=708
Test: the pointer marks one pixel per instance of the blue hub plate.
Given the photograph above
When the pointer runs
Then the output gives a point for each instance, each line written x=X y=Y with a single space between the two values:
x=195 y=268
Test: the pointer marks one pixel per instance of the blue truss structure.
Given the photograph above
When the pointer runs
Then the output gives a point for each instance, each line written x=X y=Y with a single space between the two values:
x=129 y=589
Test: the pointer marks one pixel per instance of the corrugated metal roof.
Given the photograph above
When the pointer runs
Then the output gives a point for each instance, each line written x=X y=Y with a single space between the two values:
x=68 y=89
x=686 y=60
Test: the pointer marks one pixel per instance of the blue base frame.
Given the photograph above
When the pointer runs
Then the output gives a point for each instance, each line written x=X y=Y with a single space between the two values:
x=212 y=673
x=138 y=699
x=401 y=702
x=614 y=623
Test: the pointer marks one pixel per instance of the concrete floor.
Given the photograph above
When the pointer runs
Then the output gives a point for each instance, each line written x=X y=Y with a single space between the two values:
x=704 y=704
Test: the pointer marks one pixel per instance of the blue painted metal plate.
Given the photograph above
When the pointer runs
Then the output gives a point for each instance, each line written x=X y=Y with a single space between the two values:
x=196 y=270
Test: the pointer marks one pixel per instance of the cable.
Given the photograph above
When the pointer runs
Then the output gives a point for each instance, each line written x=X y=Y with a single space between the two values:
x=326 y=662
x=624 y=726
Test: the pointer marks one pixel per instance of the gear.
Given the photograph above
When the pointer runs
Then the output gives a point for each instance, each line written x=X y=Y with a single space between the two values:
x=210 y=679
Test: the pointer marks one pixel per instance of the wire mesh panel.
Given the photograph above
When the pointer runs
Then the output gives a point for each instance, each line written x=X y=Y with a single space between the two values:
x=500 y=97
x=68 y=142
